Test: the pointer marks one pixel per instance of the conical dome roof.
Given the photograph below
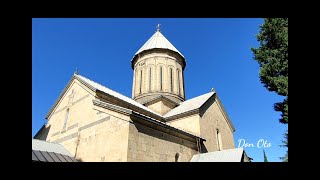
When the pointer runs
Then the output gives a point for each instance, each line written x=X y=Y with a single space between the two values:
x=158 y=41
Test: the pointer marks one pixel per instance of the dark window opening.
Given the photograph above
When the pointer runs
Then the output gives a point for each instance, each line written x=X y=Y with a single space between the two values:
x=150 y=80
x=140 y=81
x=160 y=78
x=178 y=72
x=171 y=80
x=176 y=157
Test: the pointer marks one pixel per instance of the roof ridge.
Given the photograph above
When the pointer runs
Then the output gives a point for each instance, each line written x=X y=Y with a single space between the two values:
x=197 y=97
x=120 y=96
x=101 y=85
x=187 y=105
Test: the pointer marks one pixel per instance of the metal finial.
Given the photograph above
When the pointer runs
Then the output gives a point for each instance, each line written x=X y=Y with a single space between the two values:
x=158 y=27
x=76 y=72
x=213 y=90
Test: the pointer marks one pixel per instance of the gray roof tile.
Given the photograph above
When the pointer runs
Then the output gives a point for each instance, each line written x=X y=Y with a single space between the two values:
x=47 y=156
x=39 y=156
x=50 y=152
x=229 y=155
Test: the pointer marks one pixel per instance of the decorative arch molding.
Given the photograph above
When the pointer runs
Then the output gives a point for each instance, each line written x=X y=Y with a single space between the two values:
x=150 y=77
x=171 y=78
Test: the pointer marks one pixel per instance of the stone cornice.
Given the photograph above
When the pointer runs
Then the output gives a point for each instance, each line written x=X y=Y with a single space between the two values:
x=128 y=105
x=158 y=92
x=184 y=114
x=112 y=107
x=142 y=53
x=151 y=122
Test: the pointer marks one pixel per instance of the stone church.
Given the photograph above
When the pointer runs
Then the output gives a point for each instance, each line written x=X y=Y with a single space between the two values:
x=95 y=123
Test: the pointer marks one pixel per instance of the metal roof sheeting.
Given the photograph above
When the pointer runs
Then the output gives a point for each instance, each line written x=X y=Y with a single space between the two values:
x=190 y=105
x=49 y=147
x=158 y=41
x=229 y=155
x=50 y=152
x=44 y=156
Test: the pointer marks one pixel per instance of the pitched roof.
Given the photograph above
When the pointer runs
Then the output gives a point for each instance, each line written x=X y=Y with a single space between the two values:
x=158 y=41
x=50 y=152
x=49 y=147
x=115 y=94
x=229 y=155
x=190 y=105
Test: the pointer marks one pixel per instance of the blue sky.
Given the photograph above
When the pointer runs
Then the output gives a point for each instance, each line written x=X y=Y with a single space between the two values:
x=217 y=52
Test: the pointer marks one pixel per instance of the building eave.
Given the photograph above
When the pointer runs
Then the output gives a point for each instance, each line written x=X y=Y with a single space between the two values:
x=128 y=105
x=181 y=115
x=138 y=117
x=112 y=107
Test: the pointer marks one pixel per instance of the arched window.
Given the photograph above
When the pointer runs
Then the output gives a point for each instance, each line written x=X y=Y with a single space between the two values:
x=219 y=142
x=66 y=120
x=160 y=77
x=140 y=82
x=150 y=79
x=178 y=73
x=176 y=157
x=171 y=79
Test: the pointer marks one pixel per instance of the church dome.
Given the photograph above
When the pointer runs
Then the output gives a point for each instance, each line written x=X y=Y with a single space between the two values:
x=158 y=80
x=158 y=41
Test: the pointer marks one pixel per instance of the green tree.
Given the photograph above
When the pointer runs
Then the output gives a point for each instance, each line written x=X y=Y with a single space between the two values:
x=272 y=56
x=285 y=144
x=265 y=159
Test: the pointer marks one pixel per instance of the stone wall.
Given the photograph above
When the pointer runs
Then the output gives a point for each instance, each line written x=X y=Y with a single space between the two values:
x=150 y=145
x=80 y=112
x=189 y=124
x=92 y=133
x=211 y=120
x=105 y=141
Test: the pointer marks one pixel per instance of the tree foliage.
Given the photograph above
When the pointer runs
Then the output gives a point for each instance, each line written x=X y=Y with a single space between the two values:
x=285 y=144
x=265 y=159
x=272 y=56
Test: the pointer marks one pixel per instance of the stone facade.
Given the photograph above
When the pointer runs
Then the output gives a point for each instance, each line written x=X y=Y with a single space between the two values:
x=96 y=134
x=206 y=123
x=146 y=144
x=214 y=119
x=95 y=126
x=189 y=123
